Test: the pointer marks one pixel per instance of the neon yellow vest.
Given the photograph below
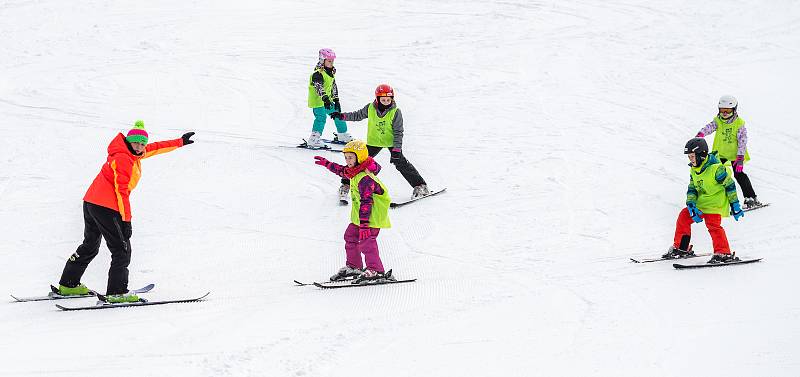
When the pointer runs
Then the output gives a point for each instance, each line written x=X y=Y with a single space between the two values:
x=711 y=196
x=315 y=100
x=379 y=130
x=725 y=141
x=379 y=217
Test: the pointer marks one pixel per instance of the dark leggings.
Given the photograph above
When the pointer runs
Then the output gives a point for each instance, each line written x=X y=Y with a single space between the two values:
x=744 y=182
x=405 y=168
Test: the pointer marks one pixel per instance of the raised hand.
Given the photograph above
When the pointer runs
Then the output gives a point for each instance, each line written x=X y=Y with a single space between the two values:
x=322 y=161
x=186 y=138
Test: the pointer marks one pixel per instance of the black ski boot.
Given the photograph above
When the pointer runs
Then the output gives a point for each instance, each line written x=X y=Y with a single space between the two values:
x=723 y=258
x=676 y=253
x=750 y=203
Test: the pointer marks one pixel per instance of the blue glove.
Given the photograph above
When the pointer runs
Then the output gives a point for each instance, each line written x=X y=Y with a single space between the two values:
x=736 y=211
x=695 y=212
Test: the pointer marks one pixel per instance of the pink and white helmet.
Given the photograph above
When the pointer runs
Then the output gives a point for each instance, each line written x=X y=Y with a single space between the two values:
x=326 y=53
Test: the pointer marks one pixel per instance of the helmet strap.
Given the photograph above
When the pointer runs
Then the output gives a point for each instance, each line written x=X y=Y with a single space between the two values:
x=699 y=158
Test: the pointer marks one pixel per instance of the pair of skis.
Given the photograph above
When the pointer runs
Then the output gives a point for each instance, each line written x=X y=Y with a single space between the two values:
x=681 y=266
x=349 y=283
x=102 y=302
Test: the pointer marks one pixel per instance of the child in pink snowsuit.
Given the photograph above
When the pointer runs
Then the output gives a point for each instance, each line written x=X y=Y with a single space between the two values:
x=369 y=213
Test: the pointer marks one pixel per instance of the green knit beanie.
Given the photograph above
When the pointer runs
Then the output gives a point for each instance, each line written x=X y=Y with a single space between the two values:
x=137 y=134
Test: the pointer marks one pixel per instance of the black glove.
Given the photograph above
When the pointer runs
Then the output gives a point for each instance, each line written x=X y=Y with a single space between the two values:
x=186 y=138
x=127 y=229
x=336 y=115
x=336 y=105
x=327 y=102
x=397 y=154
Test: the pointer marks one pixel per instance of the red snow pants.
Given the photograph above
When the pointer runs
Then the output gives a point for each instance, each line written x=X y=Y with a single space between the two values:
x=683 y=227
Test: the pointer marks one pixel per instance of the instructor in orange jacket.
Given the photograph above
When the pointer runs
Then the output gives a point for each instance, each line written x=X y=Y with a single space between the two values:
x=107 y=212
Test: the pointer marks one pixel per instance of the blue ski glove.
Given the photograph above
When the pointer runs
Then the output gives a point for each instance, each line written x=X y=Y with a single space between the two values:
x=694 y=212
x=736 y=211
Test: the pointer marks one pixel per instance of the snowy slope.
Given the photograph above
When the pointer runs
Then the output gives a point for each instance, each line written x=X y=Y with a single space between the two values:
x=557 y=127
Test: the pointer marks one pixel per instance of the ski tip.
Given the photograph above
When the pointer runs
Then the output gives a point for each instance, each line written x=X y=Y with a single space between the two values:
x=634 y=260
x=15 y=298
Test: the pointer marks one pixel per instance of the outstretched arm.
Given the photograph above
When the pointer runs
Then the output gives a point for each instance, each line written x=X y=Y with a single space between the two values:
x=356 y=116
x=160 y=147
x=708 y=129
x=331 y=166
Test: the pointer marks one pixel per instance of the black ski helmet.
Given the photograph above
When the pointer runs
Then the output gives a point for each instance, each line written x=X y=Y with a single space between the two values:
x=699 y=147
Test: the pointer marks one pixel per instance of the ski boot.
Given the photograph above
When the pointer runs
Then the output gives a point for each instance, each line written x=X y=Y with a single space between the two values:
x=723 y=258
x=751 y=203
x=420 y=191
x=344 y=194
x=315 y=141
x=122 y=297
x=79 y=290
x=676 y=253
x=346 y=272
x=342 y=138
x=372 y=276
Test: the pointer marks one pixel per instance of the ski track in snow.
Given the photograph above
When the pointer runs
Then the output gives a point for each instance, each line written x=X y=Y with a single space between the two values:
x=557 y=129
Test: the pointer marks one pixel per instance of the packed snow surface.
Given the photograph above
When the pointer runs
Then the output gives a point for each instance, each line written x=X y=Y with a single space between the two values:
x=557 y=127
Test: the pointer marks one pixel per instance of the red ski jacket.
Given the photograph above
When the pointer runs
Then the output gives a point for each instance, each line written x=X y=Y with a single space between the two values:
x=119 y=175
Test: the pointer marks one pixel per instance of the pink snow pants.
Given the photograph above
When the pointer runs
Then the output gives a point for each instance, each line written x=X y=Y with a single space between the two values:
x=369 y=247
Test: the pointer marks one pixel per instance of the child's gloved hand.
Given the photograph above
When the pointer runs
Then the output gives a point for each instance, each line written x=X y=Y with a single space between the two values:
x=738 y=164
x=336 y=105
x=364 y=232
x=695 y=212
x=321 y=161
x=336 y=115
x=327 y=102
x=397 y=154
x=700 y=134
x=736 y=211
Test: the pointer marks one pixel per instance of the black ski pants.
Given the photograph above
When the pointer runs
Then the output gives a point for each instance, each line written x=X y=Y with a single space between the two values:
x=408 y=171
x=744 y=182
x=99 y=221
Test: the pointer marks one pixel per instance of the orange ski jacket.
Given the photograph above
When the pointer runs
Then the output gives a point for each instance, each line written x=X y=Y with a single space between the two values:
x=119 y=175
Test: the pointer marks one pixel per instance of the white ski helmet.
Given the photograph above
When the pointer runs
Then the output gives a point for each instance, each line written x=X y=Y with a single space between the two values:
x=728 y=102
